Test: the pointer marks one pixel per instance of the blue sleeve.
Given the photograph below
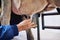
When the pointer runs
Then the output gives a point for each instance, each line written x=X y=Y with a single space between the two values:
x=7 y=32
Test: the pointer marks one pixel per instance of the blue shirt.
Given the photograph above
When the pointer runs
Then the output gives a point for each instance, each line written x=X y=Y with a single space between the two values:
x=7 y=32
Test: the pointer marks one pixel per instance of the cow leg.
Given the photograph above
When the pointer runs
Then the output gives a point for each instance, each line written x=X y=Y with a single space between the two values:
x=29 y=35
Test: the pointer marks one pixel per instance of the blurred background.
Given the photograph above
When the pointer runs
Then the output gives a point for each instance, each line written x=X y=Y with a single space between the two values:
x=47 y=34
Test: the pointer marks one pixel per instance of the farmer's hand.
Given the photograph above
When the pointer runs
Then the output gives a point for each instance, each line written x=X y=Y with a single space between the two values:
x=26 y=24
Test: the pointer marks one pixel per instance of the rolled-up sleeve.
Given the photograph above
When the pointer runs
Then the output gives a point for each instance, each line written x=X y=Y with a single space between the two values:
x=7 y=32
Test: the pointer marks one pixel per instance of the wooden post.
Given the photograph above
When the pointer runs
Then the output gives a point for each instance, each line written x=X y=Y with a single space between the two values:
x=6 y=11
